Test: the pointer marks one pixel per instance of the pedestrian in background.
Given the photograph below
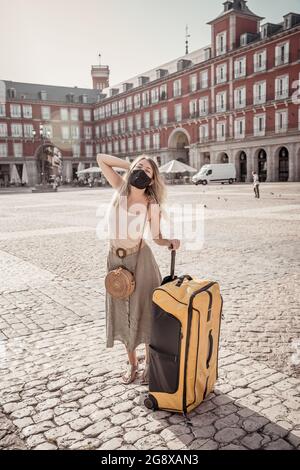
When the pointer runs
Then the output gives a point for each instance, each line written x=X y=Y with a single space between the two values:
x=256 y=184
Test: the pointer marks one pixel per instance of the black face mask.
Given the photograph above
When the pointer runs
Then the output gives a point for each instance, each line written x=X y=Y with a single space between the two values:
x=139 y=179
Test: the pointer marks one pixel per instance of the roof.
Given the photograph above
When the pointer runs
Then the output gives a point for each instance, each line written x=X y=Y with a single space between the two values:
x=239 y=7
x=54 y=93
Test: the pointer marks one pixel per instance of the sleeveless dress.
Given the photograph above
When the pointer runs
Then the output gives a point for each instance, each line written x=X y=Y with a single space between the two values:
x=129 y=320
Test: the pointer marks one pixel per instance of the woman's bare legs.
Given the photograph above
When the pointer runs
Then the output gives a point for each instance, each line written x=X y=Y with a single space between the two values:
x=132 y=370
x=147 y=357
x=132 y=357
x=145 y=376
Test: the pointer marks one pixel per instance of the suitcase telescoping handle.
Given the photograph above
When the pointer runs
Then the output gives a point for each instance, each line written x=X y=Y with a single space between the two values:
x=173 y=256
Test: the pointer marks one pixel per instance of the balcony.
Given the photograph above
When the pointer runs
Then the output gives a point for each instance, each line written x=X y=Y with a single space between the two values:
x=281 y=94
x=260 y=66
x=203 y=112
x=259 y=99
x=220 y=79
x=240 y=73
x=282 y=59
x=240 y=104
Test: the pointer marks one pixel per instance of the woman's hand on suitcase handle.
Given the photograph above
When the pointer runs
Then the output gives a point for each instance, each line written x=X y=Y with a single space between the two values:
x=174 y=244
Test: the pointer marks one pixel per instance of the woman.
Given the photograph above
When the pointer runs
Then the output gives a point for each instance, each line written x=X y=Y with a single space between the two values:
x=129 y=320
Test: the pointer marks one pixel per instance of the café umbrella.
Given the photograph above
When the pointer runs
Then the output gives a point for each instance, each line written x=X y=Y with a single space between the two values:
x=175 y=166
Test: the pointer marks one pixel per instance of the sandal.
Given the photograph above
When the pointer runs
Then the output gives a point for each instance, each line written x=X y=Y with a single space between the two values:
x=145 y=376
x=130 y=375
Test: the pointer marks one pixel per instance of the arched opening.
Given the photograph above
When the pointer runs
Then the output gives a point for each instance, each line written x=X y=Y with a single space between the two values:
x=222 y=158
x=243 y=167
x=262 y=165
x=283 y=166
x=178 y=144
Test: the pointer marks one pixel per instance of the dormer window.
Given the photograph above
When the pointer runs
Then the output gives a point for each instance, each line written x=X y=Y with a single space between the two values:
x=43 y=95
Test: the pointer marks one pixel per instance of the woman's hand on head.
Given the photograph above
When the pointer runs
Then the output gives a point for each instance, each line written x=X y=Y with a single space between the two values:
x=174 y=244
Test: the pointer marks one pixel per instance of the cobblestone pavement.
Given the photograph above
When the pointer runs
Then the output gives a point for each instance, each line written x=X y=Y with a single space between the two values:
x=60 y=387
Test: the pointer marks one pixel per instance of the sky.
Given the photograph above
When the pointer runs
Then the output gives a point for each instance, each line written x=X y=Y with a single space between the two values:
x=55 y=42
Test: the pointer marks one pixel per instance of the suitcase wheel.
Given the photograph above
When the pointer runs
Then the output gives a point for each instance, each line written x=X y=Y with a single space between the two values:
x=151 y=403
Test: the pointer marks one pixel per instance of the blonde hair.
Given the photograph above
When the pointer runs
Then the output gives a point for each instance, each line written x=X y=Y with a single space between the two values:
x=156 y=192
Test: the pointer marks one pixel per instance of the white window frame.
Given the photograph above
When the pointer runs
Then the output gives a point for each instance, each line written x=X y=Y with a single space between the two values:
x=88 y=132
x=122 y=125
x=64 y=114
x=221 y=43
x=2 y=110
x=75 y=132
x=147 y=120
x=203 y=106
x=130 y=123
x=137 y=101
x=15 y=111
x=203 y=133
x=278 y=121
x=256 y=127
x=155 y=95
x=221 y=73
x=282 y=87
x=240 y=97
x=204 y=79
x=259 y=96
x=240 y=67
x=28 y=129
x=193 y=83
x=237 y=128
x=87 y=115
x=18 y=149
x=260 y=61
x=3 y=129
x=164 y=115
x=129 y=103
x=89 y=150
x=220 y=101
x=115 y=127
x=221 y=131
x=138 y=143
x=16 y=130
x=27 y=111
x=156 y=141
x=147 y=142
x=279 y=60
x=177 y=88
x=138 y=122
x=156 y=117
x=74 y=114
x=76 y=150
x=46 y=113
x=146 y=98
x=108 y=129
x=116 y=146
x=3 y=150
x=193 y=108
x=130 y=144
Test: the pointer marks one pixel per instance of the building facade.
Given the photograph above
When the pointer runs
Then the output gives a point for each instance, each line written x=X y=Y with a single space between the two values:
x=236 y=100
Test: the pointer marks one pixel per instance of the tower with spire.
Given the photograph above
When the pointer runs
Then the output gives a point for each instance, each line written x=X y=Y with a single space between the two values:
x=100 y=75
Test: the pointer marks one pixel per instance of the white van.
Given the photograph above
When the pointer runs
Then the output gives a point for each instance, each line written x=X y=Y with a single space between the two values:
x=217 y=173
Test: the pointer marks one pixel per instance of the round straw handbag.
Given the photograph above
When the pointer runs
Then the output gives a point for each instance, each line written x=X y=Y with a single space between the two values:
x=120 y=282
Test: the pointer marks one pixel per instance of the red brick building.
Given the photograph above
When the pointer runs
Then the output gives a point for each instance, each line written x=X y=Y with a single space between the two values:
x=236 y=100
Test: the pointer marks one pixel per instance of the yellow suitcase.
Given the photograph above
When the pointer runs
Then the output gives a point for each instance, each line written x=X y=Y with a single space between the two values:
x=184 y=345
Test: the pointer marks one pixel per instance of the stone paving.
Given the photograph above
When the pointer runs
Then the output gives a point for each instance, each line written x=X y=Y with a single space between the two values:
x=60 y=387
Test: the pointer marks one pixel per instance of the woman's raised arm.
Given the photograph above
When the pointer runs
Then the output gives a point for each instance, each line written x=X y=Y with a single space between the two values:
x=106 y=163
